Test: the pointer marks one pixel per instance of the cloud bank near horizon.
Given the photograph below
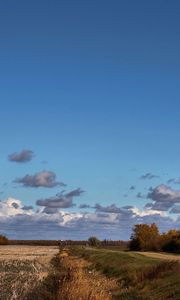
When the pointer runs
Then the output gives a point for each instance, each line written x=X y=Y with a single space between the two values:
x=18 y=221
x=57 y=216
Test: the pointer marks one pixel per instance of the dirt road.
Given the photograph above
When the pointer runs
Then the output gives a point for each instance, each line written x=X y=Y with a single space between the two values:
x=161 y=255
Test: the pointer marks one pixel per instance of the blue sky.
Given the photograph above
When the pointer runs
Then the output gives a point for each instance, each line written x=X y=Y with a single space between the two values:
x=92 y=88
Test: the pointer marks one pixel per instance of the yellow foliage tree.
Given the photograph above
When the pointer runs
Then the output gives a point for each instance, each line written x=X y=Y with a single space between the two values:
x=145 y=237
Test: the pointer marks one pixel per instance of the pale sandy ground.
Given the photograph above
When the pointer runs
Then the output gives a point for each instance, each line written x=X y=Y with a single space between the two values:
x=161 y=255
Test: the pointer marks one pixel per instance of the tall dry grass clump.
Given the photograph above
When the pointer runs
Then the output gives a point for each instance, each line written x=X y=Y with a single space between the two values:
x=158 y=271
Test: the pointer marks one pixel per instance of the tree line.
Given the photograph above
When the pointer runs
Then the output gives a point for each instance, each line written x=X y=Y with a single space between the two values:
x=144 y=238
x=148 y=238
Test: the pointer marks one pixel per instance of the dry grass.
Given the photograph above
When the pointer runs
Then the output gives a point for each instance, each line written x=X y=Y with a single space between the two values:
x=80 y=282
x=22 y=269
x=139 y=277
x=41 y=273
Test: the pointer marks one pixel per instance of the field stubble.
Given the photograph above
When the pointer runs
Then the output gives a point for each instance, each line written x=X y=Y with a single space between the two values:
x=22 y=269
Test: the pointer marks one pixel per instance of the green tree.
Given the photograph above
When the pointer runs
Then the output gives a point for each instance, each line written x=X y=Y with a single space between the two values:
x=93 y=241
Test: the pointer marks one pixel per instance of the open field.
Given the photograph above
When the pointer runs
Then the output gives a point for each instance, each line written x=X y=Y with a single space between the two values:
x=76 y=272
x=22 y=269
x=42 y=273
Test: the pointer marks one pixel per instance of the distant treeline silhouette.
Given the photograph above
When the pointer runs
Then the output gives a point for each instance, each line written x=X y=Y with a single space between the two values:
x=144 y=238
x=67 y=242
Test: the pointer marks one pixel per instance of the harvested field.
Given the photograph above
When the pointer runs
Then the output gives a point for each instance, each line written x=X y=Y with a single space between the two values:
x=22 y=269
x=41 y=273
x=79 y=273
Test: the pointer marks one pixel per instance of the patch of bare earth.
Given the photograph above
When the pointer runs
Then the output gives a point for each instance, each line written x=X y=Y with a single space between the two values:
x=80 y=282
x=22 y=268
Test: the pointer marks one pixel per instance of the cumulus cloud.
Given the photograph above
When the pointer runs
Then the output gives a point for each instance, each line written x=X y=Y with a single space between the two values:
x=75 y=193
x=21 y=157
x=42 y=179
x=164 y=193
x=108 y=209
x=146 y=212
x=149 y=176
x=61 y=200
x=56 y=202
x=12 y=207
x=163 y=197
x=161 y=206
x=50 y=210
x=52 y=223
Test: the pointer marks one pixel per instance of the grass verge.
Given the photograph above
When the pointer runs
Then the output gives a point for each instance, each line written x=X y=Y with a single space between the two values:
x=139 y=277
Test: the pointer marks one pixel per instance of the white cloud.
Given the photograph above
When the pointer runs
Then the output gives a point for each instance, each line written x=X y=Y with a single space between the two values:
x=147 y=212
x=12 y=207
x=18 y=223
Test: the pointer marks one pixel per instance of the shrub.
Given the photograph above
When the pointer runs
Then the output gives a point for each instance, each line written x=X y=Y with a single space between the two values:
x=172 y=246
x=93 y=241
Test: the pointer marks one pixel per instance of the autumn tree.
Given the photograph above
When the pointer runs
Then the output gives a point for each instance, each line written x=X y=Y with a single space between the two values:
x=170 y=241
x=145 y=237
x=3 y=240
